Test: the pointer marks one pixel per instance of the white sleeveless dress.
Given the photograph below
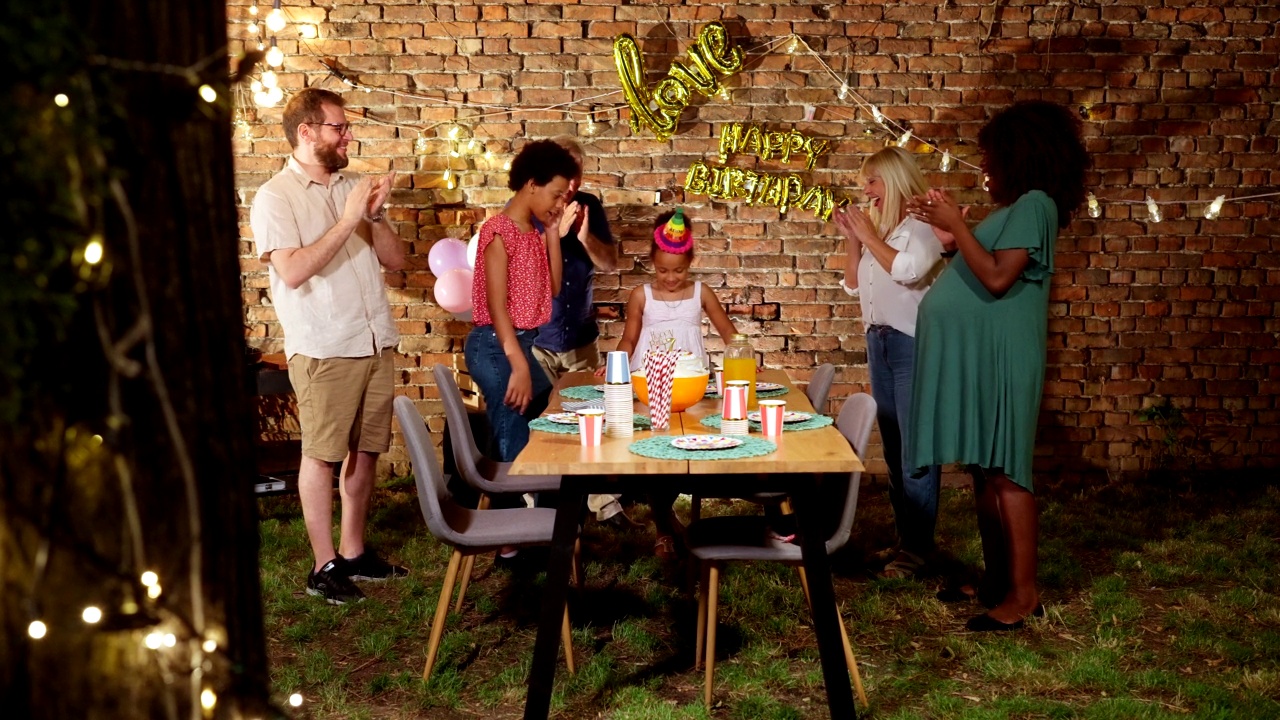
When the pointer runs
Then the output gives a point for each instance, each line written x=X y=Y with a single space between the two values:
x=670 y=326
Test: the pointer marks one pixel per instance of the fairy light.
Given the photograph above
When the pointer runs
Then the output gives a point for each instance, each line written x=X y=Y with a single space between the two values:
x=61 y=100
x=724 y=94
x=794 y=45
x=1095 y=210
x=295 y=700
x=208 y=94
x=208 y=699
x=169 y=640
x=270 y=79
x=91 y=615
x=420 y=145
x=877 y=115
x=986 y=183
x=93 y=251
x=153 y=640
x=37 y=630
x=275 y=56
x=253 y=10
x=153 y=592
x=449 y=182
x=1153 y=210
x=906 y=138
x=209 y=645
x=252 y=28
x=1215 y=207
x=275 y=19
x=945 y=163
x=307 y=31
x=843 y=92
x=149 y=579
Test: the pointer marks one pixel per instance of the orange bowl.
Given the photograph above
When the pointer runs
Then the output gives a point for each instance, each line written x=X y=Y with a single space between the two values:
x=685 y=391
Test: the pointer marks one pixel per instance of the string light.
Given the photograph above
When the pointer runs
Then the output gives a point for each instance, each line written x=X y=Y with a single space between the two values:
x=61 y=100
x=794 y=45
x=1215 y=207
x=93 y=251
x=153 y=640
x=275 y=19
x=253 y=10
x=37 y=630
x=420 y=145
x=91 y=615
x=1095 y=210
x=275 y=56
x=449 y=183
x=295 y=700
x=270 y=79
x=209 y=646
x=208 y=94
x=1153 y=210
x=906 y=138
x=149 y=578
x=307 y=31
x=877 y=115
x=945 y=163
x=252 y=28
x=208 y=699
x=724 y=94
x=844 y=91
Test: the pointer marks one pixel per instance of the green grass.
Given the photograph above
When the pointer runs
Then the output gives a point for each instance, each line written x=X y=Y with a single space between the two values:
x=1160 y=604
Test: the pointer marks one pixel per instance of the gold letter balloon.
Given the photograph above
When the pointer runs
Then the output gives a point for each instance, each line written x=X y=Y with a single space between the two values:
x=712 y=56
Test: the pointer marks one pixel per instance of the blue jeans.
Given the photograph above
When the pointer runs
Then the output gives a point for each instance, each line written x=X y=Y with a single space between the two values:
x=912 y=492
x=490 y=369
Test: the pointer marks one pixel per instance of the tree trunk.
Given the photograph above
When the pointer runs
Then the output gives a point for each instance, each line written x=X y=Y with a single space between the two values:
x=112 y=466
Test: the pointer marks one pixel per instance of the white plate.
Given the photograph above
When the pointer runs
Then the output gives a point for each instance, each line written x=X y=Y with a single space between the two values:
x=767 y=386
x=787 y=416
x=705 y=442
x=563 y=418
x=598 y=388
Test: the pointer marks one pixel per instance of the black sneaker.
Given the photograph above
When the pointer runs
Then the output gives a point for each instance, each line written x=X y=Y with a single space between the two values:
x=368 y=566
x=331 y=583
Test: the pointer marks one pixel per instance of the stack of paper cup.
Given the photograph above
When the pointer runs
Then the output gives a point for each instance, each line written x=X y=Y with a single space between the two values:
x=733 y=417
x=618 y=408
x=771 y=412
x=590 y=426
x=719 y=382
x=659 y=374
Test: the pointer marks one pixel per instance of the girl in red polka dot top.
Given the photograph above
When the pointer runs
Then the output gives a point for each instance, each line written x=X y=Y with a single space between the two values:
x=517 y=272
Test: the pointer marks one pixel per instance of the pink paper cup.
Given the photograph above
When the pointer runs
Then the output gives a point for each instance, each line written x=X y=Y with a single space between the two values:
x=735 y=400
x=590 y=427
x=771 y=412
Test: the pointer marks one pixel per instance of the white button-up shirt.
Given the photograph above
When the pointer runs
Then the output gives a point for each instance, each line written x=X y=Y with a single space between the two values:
x=342 y=310
x=891 y=298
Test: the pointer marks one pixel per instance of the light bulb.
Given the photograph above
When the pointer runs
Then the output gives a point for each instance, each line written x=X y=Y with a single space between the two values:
x=420 y=145
x=507 y=166
x=91 y=615
x=37 y=630
x=153 y=592
x=169 y=640
x=275 y=20
x=906 y=138
x=253 y=9
x=93 y=252
x=453 y=132
x=724 y=95
x=1095 y=210
x=255 y=86
x=295 y=699
x=149 y=578
x=307 y=31
x=261 y=99
x=252 y=28
x=1153 y=210
x=61 y=100
x=209 y=646
x=986 y=183
x=153 y=640
x=945 y=164
x=270 y=79
x=208 y=699
x=794 y=45
x=1215 y=207
x=208 y=94
x=275 y=56
x=844 y=91
x=262 y=46
x=591 y=127
x=877 y=115
x=275 y=95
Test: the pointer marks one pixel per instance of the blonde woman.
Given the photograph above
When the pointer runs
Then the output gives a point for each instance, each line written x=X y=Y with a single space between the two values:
x=891 y=262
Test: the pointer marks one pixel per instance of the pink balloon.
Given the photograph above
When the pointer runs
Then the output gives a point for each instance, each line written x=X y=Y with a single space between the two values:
x=447 y=254
x=453 y=290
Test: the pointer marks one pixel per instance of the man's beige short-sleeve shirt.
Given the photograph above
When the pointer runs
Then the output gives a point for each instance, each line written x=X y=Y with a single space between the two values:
x=341 y=311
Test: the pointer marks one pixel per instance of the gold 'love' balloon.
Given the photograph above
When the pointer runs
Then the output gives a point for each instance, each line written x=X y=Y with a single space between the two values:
x=713 y=55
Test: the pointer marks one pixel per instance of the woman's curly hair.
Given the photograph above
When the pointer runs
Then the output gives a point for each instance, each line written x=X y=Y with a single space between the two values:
x=1036 y=145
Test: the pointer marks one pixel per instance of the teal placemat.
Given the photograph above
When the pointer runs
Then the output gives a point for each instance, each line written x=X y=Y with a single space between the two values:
x=813 y=423
x=662 y=449
x=582 y=392
x=641 y=422
x=711 y=392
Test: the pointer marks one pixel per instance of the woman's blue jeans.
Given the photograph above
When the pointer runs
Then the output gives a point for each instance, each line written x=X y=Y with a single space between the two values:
x=490 y=369
x=912 y=492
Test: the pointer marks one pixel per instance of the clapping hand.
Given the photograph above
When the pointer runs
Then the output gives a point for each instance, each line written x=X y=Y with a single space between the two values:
x=854 y=224
x=572 y=213
x=381 y=190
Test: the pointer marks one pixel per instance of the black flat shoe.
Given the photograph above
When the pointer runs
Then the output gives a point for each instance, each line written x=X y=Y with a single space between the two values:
x=1038 y=612
x=986 y=623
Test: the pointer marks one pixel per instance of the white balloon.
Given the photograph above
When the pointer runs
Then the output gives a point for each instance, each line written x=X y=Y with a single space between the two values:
x=472 y=244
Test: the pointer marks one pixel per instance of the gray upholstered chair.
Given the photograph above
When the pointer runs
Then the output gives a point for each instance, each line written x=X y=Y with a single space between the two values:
x=717 y=540
x=468 y=531
x=489 y=477
x=820 y=386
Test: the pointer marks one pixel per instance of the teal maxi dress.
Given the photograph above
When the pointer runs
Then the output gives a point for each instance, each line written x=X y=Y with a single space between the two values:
x=979 y=364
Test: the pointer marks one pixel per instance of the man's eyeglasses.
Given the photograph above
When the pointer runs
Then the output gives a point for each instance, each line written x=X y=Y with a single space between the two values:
x=343 y=128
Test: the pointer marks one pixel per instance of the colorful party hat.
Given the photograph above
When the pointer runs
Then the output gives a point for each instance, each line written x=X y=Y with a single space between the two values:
x=674 y=237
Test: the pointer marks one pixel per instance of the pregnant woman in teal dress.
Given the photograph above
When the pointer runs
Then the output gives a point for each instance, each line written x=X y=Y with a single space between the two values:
x=981 y=337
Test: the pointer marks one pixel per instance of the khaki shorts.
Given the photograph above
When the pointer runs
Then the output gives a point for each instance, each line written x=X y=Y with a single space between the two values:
x=556 y=364
x=344 y=404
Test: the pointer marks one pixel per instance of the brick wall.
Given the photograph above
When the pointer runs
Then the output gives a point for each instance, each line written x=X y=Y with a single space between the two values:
x=1181 y=97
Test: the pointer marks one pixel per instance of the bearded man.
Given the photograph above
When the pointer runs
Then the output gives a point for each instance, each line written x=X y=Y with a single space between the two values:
x=325 y=239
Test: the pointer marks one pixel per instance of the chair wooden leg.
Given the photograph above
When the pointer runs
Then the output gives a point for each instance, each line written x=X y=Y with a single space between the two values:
x=695 y=508
x=566 y=637
x=702 y=616
x=852 y=662
x=575 y=570
x=442 y=609
x=844 y=636
x=469 y=561
x=713 y=582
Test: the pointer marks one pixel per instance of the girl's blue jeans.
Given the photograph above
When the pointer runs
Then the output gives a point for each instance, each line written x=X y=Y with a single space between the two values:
x=490 y=369
x=891 y=357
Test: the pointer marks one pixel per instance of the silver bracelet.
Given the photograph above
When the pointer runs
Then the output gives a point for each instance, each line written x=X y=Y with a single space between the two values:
x=376 y=218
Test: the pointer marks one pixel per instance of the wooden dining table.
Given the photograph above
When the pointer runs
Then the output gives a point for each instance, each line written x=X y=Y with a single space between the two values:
x=795 y=468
